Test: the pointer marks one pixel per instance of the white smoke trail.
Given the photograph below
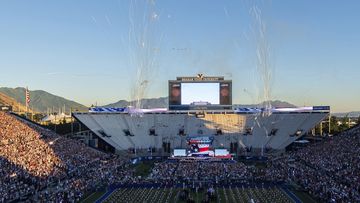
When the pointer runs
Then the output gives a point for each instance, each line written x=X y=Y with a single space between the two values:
x=264 y=71
x=108 y=20
x=94 y=20
x=263 y=58
x=143 y=38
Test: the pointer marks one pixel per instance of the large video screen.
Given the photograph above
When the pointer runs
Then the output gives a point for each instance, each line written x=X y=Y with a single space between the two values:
x=179 y=152
x=200 y=93
x=195 y=95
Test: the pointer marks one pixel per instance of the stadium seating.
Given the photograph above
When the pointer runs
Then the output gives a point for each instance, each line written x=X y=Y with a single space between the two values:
x=329 y=170
x=233 y=127
x=38 y=165
x=34 y=160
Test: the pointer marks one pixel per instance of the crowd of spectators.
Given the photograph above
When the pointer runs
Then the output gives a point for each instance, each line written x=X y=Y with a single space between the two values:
x=39 y=165
x=328 y=170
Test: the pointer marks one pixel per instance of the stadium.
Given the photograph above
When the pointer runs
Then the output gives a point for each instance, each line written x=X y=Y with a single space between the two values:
x=235 y=129
x=197 y=150
x=147 y=101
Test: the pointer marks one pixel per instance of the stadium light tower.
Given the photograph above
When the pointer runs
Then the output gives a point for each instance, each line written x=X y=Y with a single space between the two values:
x=321 y=128
x=329 y=123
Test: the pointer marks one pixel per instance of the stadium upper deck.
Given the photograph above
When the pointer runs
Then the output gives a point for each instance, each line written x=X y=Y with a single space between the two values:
x=249 y=128
x=202 y=106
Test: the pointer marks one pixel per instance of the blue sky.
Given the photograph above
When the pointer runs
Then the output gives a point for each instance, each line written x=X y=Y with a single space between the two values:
x=81 y=49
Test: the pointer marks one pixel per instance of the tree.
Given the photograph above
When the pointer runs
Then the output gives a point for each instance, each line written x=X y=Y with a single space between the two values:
x=37 y=117
x=334 y=125
x=344 y=123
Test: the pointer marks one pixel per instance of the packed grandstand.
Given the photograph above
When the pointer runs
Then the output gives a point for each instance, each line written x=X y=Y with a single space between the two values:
x=37 y=165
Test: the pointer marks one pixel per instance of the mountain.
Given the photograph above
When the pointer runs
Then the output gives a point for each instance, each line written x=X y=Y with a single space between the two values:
x=8 y=101
x=353 y=114
x=275 y=103
x=41 y=100
x=162 y=102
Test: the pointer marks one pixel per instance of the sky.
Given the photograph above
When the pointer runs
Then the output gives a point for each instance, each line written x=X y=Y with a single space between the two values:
x=103 y=51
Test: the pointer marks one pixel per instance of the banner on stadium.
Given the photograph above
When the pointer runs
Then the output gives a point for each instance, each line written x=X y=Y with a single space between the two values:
x=124 y=110
x=296 y=109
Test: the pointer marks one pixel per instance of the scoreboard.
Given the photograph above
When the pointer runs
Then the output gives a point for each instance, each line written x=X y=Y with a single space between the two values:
x=200 y=93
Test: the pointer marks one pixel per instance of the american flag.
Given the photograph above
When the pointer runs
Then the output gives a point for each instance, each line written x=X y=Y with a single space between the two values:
x=27 y=97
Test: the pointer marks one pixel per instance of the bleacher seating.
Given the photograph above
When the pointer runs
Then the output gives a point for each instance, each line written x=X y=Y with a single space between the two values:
x=38 y=165
x=233 y=128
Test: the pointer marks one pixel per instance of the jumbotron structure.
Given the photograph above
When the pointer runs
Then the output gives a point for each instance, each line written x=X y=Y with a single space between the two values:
x=201 y=107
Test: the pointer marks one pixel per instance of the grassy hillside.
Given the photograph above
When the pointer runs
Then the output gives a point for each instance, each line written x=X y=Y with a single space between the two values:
x=161 y=102
x=8 y=101
x=41 y=100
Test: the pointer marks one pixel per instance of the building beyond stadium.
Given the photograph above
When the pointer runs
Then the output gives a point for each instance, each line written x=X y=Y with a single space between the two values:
x=201 y=106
